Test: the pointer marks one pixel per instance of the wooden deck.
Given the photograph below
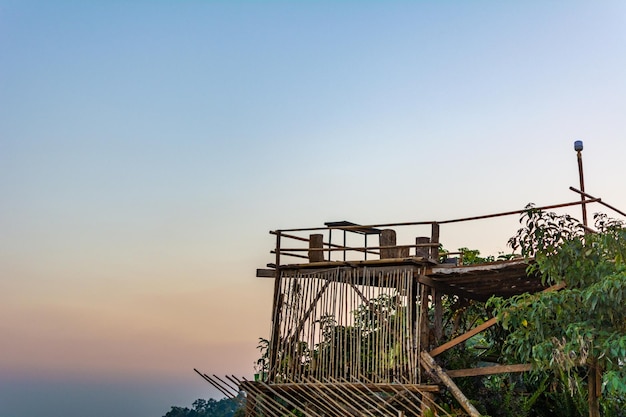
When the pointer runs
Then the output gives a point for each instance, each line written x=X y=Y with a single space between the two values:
x=475 y=282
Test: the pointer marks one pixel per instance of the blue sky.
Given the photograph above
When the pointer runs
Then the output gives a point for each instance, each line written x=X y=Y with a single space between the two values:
x=146 y=149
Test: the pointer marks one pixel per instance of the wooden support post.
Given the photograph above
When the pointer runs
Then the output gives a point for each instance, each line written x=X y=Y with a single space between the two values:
x=432 y=366
x=414 y=309
x=424 y=326
x=438 y=319
x=274 y=342
x=434 y=238
x=316 y=242
x=276 y=309
x=387 y=238
x=422 y=251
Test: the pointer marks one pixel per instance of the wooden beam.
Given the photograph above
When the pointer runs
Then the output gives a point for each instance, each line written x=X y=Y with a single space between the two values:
x=447 y=289
x=432 y=366
x=411 y=260
x=265 y=273
x=438 y=350
x=492 y=266
x=488 y=370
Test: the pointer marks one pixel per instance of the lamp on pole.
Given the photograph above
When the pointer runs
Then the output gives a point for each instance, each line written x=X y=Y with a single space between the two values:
x=578 y=147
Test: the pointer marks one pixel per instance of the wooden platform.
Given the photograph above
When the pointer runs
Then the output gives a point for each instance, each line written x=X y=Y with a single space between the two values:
x=475 y=282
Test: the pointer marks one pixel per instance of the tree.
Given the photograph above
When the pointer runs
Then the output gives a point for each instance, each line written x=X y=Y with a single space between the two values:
x=578 y=332
x=210 y=408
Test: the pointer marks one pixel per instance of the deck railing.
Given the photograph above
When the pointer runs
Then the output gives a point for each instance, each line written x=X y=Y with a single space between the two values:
x=316 y=244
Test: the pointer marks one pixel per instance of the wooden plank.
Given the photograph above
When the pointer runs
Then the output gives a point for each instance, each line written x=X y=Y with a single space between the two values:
x=432 y=366
x=463 y=337
x=491 y=266
x=446 y=289
x=488 y=370
x=265 y=273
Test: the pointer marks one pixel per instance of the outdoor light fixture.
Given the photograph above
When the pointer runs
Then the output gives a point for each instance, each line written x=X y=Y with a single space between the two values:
x=578 y=145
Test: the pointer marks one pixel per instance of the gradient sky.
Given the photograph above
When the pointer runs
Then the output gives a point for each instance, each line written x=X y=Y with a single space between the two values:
x=147 y=148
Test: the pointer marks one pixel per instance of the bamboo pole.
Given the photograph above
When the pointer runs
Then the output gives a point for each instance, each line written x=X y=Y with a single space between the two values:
x=216 y=385
x=348 y=391
x=276 y=409
x=422 y=223
x=599 y=200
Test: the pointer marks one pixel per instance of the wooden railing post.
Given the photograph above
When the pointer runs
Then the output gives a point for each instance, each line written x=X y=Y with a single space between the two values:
x=422 y=251
x=434 y=239
x=387 y=239
x=316 y=246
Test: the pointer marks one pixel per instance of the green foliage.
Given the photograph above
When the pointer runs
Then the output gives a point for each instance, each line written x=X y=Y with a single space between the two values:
x=261 y=366
x=371 y=316
x=471 y=256
x=211 y=408
x=559 y=332
x=566 y=330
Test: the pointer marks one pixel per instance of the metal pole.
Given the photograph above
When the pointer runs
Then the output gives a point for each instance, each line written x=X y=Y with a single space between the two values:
x=578 y=147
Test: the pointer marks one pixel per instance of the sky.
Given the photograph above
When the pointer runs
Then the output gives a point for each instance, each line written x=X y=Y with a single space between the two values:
x=148 y=147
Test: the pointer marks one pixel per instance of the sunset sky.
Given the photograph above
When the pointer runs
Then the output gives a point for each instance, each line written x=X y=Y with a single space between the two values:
x=147 y=148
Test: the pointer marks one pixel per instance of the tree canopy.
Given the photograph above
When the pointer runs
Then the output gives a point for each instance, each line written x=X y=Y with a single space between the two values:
x=210 y=408
x=580 y=331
